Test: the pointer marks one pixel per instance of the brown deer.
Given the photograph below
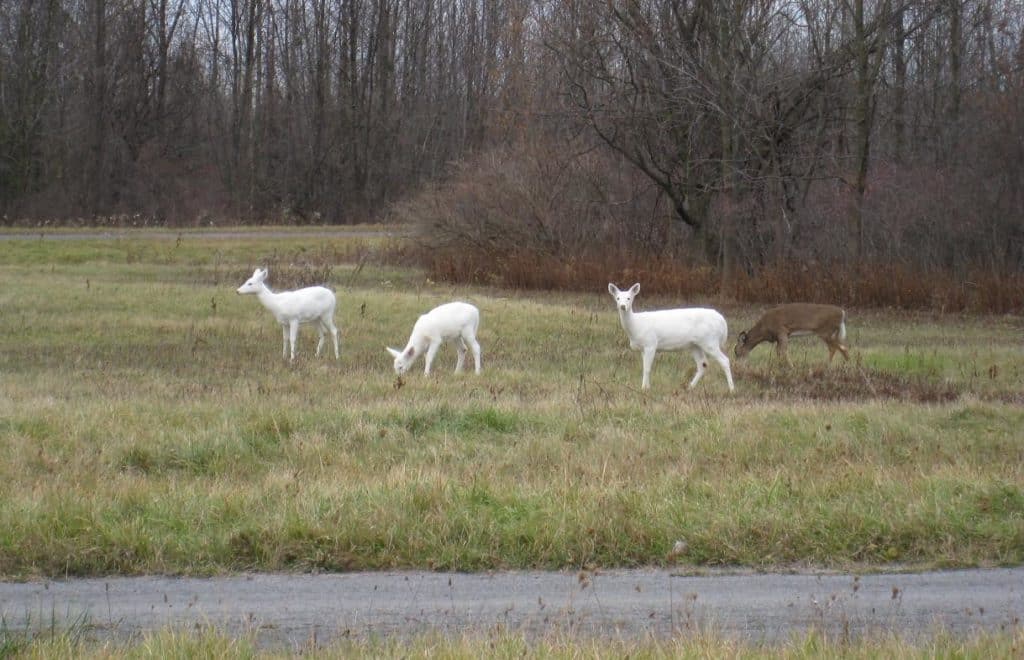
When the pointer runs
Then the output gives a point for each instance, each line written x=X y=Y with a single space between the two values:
x=793 y=320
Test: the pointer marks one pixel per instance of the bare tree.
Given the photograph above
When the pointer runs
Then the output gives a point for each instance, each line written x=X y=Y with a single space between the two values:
x=755 y=132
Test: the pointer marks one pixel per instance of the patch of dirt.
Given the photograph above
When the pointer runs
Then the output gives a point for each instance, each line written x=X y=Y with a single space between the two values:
x=851 y=384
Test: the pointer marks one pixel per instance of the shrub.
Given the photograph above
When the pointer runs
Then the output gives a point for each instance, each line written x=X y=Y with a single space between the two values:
x=554 y=216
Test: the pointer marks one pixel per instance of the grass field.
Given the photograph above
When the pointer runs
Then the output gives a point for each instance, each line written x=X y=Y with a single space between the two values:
x=211 y=644
x=149 y=425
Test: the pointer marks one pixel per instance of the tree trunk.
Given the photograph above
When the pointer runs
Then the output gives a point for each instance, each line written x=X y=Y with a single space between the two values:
x=866 y=72
x=95 y=179
x=955 y=73
x=899 y=65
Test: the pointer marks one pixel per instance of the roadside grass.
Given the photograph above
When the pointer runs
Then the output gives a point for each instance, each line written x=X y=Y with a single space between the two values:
x=171 y=643
x=150 y=425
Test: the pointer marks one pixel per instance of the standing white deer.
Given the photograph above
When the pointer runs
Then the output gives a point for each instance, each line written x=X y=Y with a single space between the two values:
x=780 y=323
x=454 y=321
x=699 y=330
x=314 y=304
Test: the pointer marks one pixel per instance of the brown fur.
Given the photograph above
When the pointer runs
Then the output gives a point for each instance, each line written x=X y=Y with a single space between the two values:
x=779 y=323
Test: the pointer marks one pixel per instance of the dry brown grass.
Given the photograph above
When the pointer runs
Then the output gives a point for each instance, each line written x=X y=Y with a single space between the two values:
x=150 y=425
x=879 y=285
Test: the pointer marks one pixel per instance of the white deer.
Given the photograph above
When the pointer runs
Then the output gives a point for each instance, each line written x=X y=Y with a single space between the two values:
x=454 y=321
x=793 y=320
x=699 y=330
x=314 y=304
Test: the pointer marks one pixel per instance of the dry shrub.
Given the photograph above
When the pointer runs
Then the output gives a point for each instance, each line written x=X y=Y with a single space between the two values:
x=998 y=293
x=587 y=272
x=884 y=285
x=551 y=201
x=877 y=285
x=300 y=268
x=880 y=285
x=309 y=267
x=546 y=215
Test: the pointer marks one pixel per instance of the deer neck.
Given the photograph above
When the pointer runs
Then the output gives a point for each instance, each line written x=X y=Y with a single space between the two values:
x=267 y=297
x=416 y=346
x=757 y=334
x=628 y=320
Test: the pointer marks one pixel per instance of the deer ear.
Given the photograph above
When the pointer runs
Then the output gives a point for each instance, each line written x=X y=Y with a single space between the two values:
x=411 y=351
x=393 y=352
x=612 y=289
x=635 y=289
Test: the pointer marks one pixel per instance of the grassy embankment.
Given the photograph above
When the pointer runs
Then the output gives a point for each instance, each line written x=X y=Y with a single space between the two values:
x=149 y=425
x=211 y=644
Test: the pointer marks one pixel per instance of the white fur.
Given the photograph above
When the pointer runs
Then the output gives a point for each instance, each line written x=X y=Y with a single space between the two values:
x=701 y=331
x=455 y=321
x=314 y=304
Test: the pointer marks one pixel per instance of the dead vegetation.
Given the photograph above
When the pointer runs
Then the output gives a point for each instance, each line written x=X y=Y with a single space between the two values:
x=871 y=285
x=535 y=217
x=848 y=384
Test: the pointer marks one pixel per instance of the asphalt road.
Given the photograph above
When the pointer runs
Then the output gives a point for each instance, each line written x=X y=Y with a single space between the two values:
x=294 y=611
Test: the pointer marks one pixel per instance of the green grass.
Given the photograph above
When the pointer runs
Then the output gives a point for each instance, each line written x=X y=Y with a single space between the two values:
x=149 y=425
x=171 y=643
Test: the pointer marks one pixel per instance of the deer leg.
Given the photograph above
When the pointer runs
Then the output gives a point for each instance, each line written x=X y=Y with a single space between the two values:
x=334 y=335
x=325 y=325
x=723 y=361
x=323 y=337
x=469 y=339
x=284 y=341
x=702 y=363
x=474 y=346
x=431 y=353
x=839 y=346
x=460 y=349
x=648 y=360
x=830 y=343
x=835 y=345
x=780 y=348
x=293 y=335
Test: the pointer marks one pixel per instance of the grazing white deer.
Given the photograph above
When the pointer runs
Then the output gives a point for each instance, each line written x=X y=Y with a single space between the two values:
x=314 y=304
x=701 y=331
x=455 y=321
x=793 y=320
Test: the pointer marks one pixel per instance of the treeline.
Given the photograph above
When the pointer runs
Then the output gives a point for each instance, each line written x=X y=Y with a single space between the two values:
x=739 y=134
x=244 y=109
